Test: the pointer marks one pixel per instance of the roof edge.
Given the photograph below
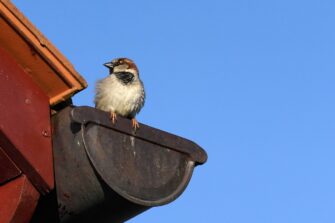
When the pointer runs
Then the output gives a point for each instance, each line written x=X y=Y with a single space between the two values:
x=52 y=56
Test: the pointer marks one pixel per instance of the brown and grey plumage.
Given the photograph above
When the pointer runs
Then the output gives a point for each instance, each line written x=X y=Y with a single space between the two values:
x=122 y=92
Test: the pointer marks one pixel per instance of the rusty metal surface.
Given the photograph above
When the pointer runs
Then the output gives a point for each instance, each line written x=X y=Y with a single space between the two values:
x=87 y=114
x=108 y=173
x=145 y=173
x=18 y=200
x=25 y=131
x=82 y=196
x=8 y=170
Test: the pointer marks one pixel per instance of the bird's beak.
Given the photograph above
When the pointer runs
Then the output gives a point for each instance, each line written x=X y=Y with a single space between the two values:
x=109 y=65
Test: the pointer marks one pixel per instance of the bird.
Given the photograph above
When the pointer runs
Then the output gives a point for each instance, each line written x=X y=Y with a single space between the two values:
x=121 y=92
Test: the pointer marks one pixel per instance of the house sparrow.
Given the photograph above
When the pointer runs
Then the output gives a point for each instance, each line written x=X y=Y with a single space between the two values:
x=122 y=92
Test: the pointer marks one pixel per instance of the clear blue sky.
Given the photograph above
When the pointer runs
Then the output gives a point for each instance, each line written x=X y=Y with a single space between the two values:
x=252 y=82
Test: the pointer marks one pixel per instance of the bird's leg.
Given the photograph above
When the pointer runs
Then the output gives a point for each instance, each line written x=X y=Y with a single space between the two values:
x=113 y=117
x=134 y=123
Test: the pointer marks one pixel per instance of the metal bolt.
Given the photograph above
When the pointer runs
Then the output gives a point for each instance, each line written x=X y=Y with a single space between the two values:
x=45 y=133
x=27 y=101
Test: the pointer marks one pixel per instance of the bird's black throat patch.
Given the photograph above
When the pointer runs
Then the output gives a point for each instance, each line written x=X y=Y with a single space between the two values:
x=125 y=77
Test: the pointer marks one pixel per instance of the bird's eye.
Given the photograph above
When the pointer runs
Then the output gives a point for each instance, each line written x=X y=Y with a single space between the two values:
x=121 y=62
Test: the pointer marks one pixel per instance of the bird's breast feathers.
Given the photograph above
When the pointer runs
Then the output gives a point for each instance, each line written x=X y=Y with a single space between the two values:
x=114 y=96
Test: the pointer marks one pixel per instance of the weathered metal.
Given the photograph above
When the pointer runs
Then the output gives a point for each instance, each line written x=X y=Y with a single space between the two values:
x=25 y=130
x=110 y=173
x=18 y=198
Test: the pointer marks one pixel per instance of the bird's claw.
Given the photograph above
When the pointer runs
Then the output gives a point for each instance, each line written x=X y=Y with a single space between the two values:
x=113 y=117
x=134 y=123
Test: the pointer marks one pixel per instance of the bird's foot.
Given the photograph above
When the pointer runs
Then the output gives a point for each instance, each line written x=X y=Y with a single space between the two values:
x=134 y=123
x=113 y=117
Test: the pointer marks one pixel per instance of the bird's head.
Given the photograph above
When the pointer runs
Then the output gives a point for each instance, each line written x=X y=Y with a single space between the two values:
x=122 y=65
x=124 y=69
